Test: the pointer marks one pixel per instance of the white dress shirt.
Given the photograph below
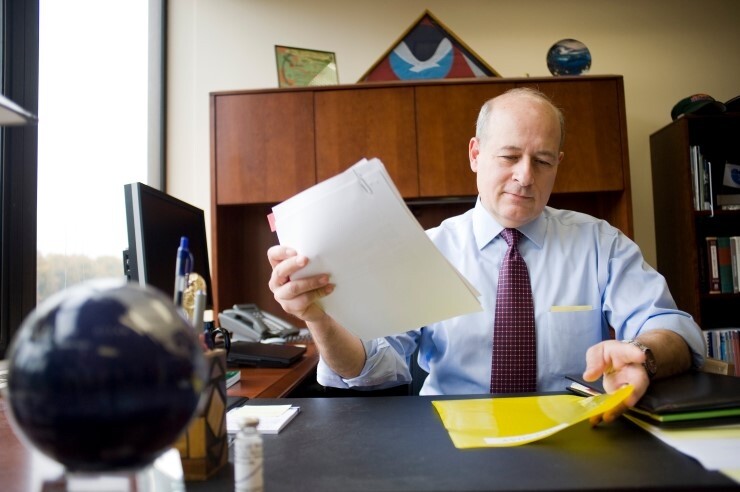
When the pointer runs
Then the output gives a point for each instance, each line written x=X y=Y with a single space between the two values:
x=586 y=276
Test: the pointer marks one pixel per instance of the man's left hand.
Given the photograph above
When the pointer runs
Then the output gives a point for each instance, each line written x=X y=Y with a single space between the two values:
x=619 y=363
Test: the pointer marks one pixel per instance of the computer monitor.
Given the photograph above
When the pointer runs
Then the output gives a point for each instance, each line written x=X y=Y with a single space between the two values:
x=156 y=221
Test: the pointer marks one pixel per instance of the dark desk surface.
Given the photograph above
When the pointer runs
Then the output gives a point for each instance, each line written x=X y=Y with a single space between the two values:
x=399 y=443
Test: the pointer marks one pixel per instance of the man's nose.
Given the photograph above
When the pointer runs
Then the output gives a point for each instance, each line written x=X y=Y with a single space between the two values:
x=523 y=172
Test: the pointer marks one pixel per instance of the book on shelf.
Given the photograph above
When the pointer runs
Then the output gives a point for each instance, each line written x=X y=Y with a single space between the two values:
x=701 y=179
x=724 y=344
x=695 y=176
x=735 y=263
x=713 y=266
x=728 y=199
x=707 y=196
x=232 y=377
x=717 y=366
x=724 y=264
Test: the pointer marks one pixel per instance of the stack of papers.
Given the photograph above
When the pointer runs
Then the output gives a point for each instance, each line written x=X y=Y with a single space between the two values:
x=272 y=418
x=357 y=228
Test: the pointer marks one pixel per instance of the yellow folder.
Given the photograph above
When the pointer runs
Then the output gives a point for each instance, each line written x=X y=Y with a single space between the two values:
x=512 y=421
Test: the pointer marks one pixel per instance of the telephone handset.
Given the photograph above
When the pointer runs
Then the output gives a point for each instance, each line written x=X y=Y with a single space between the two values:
x=251 y=323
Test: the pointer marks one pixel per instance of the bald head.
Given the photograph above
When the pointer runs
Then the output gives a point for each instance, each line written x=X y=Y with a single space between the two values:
x=516 y=155
x=484 y=117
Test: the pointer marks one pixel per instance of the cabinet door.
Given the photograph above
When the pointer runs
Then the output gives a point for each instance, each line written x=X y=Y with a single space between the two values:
x=446 y=117
x=368 y=122
x=594 y=114
x=263 y=146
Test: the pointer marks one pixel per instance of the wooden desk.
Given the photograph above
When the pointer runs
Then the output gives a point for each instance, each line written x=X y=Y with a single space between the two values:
x=15 y=458
x=264 y=382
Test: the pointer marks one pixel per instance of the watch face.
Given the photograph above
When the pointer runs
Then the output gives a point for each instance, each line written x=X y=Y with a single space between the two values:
x=650 y=365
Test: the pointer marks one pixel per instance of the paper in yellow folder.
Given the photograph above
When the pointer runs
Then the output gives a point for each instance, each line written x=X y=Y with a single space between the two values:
x=501 y=422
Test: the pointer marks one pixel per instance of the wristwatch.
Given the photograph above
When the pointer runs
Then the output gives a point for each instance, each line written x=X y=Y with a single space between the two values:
x=651 y=366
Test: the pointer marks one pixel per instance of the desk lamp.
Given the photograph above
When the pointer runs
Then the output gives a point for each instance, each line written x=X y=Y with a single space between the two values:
x=12 y=114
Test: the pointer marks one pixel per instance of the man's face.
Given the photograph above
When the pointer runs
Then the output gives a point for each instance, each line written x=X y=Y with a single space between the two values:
x=517 y=160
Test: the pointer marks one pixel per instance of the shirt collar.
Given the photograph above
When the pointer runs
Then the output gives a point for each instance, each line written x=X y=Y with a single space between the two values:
x=485 y=227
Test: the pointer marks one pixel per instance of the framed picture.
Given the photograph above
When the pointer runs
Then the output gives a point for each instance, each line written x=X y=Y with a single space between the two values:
x=298 y=67
x=428 y=50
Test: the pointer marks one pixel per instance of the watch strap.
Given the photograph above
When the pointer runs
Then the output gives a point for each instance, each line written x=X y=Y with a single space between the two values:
x=650 y=364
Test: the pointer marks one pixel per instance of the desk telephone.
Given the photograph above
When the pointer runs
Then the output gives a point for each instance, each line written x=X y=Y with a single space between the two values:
x=250 y=322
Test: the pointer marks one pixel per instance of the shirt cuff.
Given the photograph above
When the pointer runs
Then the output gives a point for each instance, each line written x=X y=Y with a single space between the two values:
x=384 y=368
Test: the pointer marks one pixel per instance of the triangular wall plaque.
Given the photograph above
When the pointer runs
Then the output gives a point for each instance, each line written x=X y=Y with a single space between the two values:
x=428 y=50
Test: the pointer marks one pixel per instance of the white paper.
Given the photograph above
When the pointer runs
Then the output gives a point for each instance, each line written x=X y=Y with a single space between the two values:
x=272 y=418
x=389 y=276
x=715 y=447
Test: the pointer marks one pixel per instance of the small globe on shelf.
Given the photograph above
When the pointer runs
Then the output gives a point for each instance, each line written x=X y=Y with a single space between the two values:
x=568 y=57
x=104 y=376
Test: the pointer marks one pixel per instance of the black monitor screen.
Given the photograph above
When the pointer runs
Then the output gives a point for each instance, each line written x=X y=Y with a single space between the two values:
x=156 y=221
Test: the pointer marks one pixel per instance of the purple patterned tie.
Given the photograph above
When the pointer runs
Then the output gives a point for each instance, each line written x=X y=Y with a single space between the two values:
x=514 y=364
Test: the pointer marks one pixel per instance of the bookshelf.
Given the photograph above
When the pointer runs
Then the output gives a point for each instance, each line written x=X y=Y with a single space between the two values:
x=681 y=231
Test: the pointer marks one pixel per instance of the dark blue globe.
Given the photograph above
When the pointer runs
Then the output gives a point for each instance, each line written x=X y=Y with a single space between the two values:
x=568 y=57
x=104 y=376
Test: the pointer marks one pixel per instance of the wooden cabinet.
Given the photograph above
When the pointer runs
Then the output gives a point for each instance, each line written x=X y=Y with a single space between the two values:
x=446 y=121
x=263 y=147
x=680 y=230
x=356 y=123
x=267 y=145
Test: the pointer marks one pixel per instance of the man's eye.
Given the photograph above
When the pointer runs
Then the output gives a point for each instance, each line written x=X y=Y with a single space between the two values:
x=543 y=162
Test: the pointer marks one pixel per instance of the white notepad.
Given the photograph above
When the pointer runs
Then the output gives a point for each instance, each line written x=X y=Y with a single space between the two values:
x=272 y=418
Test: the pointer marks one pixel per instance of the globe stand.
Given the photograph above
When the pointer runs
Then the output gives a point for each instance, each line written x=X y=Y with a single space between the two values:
x=165 y=474
x=100 y=483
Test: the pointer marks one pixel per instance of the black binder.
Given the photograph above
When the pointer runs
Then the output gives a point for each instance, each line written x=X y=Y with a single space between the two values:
x=698 y=397
x=264 y=354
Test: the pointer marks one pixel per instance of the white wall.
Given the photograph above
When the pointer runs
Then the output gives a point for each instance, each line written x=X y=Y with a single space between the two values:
x=665 y=49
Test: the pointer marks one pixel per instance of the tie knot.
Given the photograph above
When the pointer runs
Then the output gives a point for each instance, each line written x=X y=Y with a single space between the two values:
x=511 y=236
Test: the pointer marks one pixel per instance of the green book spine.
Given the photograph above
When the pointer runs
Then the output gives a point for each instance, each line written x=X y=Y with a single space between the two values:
x=724 y=258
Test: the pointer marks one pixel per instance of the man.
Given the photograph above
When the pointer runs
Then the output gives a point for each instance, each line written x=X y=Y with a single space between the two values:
x=586 y=277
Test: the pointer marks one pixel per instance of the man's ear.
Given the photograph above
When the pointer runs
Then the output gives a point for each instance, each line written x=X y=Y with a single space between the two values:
x=473 y=151
x=560 y=157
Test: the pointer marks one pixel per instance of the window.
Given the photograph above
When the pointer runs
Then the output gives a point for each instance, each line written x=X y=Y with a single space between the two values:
x=101 y=88
x=94 y=120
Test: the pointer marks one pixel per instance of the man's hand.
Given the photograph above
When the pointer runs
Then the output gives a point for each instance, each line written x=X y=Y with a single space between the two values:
x=297 y=297
x=339 y=348
x=619 y=363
